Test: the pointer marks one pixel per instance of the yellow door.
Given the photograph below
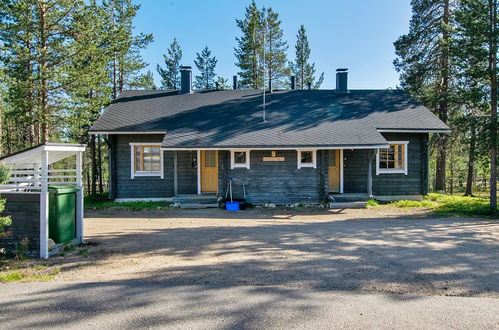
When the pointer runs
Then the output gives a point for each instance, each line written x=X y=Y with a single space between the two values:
x=334 y=170
x=209 y=171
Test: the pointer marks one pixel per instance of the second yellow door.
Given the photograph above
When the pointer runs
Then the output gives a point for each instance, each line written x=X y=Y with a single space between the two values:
x=209 y=171
x=334 y=170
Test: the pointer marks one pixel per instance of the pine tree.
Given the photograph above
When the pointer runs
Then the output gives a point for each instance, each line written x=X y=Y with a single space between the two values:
x=275 y=50
x=476 y=52
x=423 y=60
x=206 y=64
x=301 y=68
x=170 y=75
x=36 y=35
x=127 y=63
x=222 y=83
x=249 y=47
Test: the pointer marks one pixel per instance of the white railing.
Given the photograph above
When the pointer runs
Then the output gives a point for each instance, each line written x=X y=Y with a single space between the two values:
x=31 y=180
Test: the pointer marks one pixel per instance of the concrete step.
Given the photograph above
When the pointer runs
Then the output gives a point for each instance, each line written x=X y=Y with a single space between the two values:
x=347 y=205
x=198 y=205
x=343 y=198
x=196 y=199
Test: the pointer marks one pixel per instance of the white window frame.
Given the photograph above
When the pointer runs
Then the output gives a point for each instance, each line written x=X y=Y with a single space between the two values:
x=134 y=173
x=403 y=170
x=233 y=164
x=314 y=158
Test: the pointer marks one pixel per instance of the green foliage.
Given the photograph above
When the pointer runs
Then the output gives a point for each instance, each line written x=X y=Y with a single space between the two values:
x=4 y=174
x=101 y=202
x=27 y=273
x=83 y=252
x=170 y=75
x=442 y=204
x=22 y=249
x=301 y=68
x=69 y=247
x=4 y=177
x=223 y=83
x=249 y=47
x=206 y=64
x=275 y=50
x=372 y=203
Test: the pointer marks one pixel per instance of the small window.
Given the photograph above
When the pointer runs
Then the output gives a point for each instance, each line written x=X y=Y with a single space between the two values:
x=146 y=160
x=210 y=158
x=306 y=158
x=240 y=158
x=393 y=159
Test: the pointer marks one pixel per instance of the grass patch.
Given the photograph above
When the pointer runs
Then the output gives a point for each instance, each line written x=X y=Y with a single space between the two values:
x=83 y=252
x=102 y=202
x=36 y=273
x=442 y=204
x=372 y=203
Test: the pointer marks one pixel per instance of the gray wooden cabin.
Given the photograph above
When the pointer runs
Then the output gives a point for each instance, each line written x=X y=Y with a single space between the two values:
x=306 y=146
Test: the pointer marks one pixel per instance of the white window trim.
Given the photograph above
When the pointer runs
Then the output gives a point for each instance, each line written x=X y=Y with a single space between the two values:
x=134 y=173
x=234 y=165
x=394 y=170
x=314 y=158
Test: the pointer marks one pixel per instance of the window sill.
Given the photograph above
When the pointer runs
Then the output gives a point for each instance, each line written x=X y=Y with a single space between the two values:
x=240 y=166
x=306 y=165
x=145 y=174
x=394 y=171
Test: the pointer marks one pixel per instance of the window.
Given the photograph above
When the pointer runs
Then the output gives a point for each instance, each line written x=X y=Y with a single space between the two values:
x=147 y=160
x=392 y=159
x=240 y=158
x=306 y=158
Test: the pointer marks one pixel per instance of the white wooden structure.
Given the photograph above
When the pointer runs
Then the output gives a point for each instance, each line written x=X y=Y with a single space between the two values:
x=31 y=173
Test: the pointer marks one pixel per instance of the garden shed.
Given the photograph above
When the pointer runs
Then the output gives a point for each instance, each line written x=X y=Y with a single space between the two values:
x=33 y=177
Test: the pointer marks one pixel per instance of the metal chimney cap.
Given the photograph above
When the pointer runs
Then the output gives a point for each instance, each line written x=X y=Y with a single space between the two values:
x=341 y=69
x=185 y=67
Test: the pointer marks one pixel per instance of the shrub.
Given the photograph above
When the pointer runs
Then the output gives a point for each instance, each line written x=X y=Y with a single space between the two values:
x=372 y=203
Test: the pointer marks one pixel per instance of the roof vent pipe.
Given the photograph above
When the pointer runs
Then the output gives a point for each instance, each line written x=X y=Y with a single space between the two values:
x=185 y=80
x=293 y=78
x=342 y=80
x=234 y=82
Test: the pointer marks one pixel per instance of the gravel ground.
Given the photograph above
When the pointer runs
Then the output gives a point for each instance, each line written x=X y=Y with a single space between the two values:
x=375 y=250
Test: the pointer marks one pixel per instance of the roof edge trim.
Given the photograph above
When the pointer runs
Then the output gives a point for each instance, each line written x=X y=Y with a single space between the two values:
x=413 y=130
x=372 y=146
x=125 y=132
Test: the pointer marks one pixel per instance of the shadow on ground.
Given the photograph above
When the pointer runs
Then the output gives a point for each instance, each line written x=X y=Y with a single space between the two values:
x=293 y=253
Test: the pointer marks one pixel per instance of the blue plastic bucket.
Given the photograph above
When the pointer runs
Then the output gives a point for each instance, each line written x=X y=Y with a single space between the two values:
x=232 y=206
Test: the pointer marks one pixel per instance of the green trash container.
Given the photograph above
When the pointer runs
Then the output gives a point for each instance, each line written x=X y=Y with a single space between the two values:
x=62 y=213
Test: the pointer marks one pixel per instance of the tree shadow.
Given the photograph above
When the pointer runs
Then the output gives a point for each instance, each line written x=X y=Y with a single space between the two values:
x=279 y=259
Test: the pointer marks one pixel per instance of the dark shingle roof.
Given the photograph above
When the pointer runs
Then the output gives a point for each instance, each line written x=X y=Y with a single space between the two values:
x=233 y=118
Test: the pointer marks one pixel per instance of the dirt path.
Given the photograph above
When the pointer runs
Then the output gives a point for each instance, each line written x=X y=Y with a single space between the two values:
x=363 y=250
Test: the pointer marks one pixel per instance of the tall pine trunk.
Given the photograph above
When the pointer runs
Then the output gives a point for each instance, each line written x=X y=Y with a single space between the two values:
x=471 y=160
x=43 y=72
x=493 y=102
x=443 y=104
x=99 y=155
x=94 y=165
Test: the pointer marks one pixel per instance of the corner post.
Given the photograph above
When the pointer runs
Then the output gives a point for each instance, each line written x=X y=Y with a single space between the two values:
x=198 y=163
x=79 y=198
x=44 y=208
x=370 y=173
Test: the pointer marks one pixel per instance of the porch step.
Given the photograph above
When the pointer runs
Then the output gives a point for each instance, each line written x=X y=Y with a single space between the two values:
x=344 y=198
x=196 y=199
x=347 y=205
x=198 y=205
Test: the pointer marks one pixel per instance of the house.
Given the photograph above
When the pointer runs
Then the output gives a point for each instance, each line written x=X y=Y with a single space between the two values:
x=301 y=146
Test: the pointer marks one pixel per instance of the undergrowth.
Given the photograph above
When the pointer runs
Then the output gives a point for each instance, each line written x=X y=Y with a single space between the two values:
x=102 y=202
x=442 y=204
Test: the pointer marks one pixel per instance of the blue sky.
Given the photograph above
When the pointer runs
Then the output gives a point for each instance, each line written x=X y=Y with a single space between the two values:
x=357 y=34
